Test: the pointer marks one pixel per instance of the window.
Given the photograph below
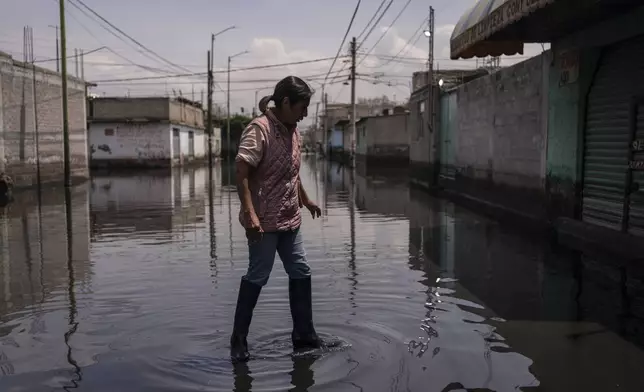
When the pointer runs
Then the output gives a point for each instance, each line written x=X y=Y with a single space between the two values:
x=175 y=132
x=109 y=131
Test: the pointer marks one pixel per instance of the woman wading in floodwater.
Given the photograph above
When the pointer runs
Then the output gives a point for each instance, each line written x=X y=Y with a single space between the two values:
x=271 y=195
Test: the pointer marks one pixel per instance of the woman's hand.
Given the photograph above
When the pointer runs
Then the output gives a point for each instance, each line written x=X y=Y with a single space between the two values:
x=313 y=208
x=254 y=229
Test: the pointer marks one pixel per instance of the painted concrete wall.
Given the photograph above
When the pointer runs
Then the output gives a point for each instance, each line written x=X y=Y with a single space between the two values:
x=501 y=130
x=499 y=136
x=130 y=142
x=18 y=141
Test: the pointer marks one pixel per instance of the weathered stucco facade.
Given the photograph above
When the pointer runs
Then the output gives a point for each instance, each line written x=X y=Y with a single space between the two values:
x=31 y=126
x=146 y=132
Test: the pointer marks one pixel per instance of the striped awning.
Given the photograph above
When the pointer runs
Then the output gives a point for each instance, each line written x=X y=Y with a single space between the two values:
x=481 y=21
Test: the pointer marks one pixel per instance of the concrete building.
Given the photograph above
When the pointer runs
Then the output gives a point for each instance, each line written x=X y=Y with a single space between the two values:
x=336 y=139
x=31 y=125
x=146 y=132
x=334 y=113
x=424 y=139
x=383 y=140
x=579 y=103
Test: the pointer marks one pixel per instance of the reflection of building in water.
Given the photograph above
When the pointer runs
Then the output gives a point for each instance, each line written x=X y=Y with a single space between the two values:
x=33 y=249
x=148 y=203
x=553 y=305
x=385 y=193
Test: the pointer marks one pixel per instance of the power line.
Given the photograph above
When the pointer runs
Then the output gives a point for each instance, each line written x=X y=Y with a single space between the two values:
x=353 y=17
x=130 y=38
x=71 y=57
x=372 y=28
x=372 y=18
x=418 y=30
x=386 y=31
x=219 y=72
x=315 y=77
x=89 y=31
x=375 y=24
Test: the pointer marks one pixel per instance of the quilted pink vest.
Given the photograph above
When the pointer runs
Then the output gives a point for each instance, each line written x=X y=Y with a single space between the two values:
x=274 y=185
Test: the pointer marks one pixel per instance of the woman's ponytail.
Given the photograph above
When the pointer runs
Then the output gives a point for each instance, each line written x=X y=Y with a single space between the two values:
x=263 y=103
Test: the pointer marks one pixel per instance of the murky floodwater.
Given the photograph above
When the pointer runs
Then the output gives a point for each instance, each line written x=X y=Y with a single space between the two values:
x=427 y=296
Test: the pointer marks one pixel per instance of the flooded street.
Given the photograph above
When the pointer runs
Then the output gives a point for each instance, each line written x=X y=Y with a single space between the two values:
x=427 y=296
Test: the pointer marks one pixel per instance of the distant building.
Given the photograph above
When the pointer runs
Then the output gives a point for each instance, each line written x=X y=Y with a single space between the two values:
x=384 y=139
x=147 y=132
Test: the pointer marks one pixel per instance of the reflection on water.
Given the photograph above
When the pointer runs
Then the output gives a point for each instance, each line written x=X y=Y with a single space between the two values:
x=135 y=288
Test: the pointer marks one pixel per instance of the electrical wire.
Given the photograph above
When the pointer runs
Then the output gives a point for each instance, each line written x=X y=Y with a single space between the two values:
x=89 y=31
x=371 y=20
x=353 y=17
x=251 y=68
x=129 y=37
x=375 y=24
x=386 y=31
x=418 y=30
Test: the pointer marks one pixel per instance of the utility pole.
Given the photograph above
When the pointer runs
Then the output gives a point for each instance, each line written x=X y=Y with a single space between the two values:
x=57 y=49
x=353 y=102
x=63 y=66
x=76 y=61
x=82 y=65
x=228 y=110
x=209 y=108
x=324 y=123
x=317 y=111
x=32 y=60
x=431 y=114
x=255 y=108
x=228 y=100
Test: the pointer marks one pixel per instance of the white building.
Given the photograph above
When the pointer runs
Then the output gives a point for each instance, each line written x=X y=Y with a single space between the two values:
x=146 y=132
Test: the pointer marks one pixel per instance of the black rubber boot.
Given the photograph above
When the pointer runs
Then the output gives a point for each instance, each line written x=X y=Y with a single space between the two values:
x=246 y=301
x=299 y=295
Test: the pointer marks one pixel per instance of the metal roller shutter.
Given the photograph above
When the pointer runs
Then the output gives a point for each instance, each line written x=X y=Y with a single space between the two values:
x=636 y=210
x=607 y=136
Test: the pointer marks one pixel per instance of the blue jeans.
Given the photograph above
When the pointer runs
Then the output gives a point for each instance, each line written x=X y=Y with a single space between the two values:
x=288 y=245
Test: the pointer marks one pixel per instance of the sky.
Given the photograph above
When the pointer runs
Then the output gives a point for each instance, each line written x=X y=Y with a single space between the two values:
x=273 y=32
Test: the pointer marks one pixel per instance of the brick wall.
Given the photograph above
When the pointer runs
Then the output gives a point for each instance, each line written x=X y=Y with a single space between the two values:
x=20 y=115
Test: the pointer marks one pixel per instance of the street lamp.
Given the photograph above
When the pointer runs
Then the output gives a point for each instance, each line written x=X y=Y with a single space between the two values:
x=228 y=98
x=211 y=88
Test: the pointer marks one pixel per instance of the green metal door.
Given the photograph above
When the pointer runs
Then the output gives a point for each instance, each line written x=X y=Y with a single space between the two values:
x=448 y=110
